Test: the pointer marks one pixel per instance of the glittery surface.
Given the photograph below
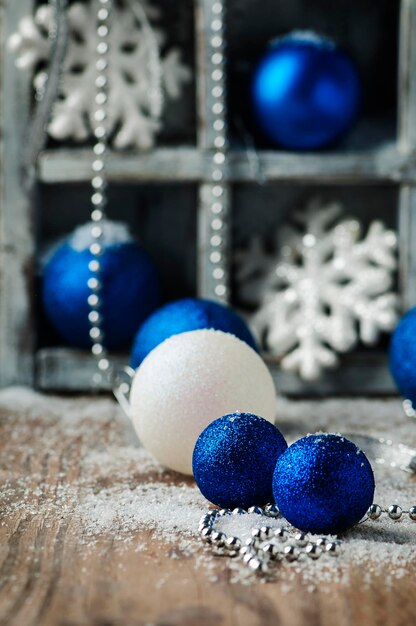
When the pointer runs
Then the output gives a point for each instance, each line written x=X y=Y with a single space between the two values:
x=130 y=292
x=190 y=380
x=403 y=356
x=186 y=315
x=323 y=484
x=305 y=93
x=234 y=460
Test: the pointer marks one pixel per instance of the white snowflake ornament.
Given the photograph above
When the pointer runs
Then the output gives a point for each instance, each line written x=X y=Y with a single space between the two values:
x=327 y=288
x=132 y=72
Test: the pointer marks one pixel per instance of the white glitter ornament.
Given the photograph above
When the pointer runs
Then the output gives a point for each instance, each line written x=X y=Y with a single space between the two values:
x=190 y=380
x=326 y=289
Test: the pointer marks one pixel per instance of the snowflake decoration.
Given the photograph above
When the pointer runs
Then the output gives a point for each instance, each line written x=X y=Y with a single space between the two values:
x=328 y=288
x=131 y=74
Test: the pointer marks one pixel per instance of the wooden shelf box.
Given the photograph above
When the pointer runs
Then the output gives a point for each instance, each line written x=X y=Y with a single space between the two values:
x=170 y=183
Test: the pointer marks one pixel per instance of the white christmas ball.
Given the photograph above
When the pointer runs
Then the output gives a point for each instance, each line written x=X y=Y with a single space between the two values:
x=190 y=380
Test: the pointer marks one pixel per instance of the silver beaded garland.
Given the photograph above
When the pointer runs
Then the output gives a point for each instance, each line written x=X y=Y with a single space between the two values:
x=98 y=185
x=217 y=191
x=266 y=544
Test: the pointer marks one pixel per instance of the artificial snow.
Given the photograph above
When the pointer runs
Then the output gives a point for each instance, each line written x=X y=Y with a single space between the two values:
x=113 y=487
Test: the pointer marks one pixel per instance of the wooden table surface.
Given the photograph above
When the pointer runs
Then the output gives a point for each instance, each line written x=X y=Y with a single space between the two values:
x=49 y=576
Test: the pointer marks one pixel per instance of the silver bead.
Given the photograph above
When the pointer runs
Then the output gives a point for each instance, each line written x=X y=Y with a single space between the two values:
x=216 y=241
x=395 y=512
x=313 y=551
x=218 y=538
x=94 y=265
x=103 y=365
x=255 y=509
x=272 y=510
x=215 y=257
x=321 y=542
x=94 y=284
x=256 y=564
x=374 y=511
x=280 y=533
x=238 y=511
x=205 y=519
x=248 y=555
x=96 y=249
x=94 y=317
x=223 y=512
x=332 y=548
x=218 y=273
x=271 y=549
x=256 y=533
x=206 y=535
x=97 y=349
x=265 y=531
x=233 y=543
x=98 y=182
x=97 y=199
x=291 y=553
x=203 y=527
x=301 y=539
x=94 y=301
x=412 y=513
x=217 y=224
x=103 y=15
x=98 y=165
x=96 y=334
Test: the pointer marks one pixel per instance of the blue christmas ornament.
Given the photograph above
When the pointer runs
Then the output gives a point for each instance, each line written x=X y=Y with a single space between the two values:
x=323 y=484
x=234 y=459
x=185 y=315
x=402 y=356
x=129 y=292
x=306 y=92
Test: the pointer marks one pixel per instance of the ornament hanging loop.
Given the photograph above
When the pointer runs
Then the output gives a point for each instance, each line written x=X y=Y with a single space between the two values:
x=121 y=385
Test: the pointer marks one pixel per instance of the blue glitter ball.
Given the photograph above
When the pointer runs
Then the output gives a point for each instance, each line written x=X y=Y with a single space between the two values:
x=234 y=459
x=129 y=293
x=402 y=356
x=323 y=484
x=306 y=92
x=185 y=315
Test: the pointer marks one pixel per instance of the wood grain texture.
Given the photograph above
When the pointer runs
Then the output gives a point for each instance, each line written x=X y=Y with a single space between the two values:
x=49 y=576
x=16 y=232
x=189 y=164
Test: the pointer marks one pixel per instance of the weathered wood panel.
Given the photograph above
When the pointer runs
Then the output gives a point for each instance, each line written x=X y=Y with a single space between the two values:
x=16 y=232
x=407 y=77
x=407 y=145
x=190 y=164
x=65 y=369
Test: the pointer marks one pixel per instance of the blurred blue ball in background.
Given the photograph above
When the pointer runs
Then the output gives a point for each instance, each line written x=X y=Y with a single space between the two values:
x=306 y=92
x=402 y=356
x=234 y=459
x=129 y=293
x=182 y=316
x=323 y=484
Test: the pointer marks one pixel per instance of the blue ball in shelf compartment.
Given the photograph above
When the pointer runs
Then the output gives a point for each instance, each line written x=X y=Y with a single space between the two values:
x=402 y=356
x=323 y=484
x=129 y=292
x=306 y=92
x=185 y=315
x=234 y=459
